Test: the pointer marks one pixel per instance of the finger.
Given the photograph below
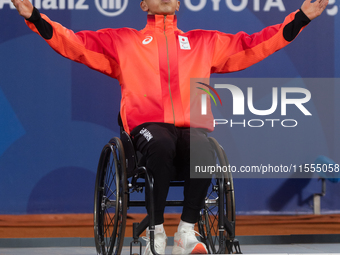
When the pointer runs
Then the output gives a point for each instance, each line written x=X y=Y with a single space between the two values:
x=16 y=2
x=323 y=4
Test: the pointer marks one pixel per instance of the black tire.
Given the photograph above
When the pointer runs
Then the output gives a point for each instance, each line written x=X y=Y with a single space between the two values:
x=110 y=199
x=209 y=220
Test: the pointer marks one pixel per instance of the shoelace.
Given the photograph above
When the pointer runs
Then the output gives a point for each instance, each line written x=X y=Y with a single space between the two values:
x=194 y=232
x=145 y=238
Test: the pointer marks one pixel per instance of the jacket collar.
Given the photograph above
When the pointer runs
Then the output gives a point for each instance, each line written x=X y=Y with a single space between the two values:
x=161 y=23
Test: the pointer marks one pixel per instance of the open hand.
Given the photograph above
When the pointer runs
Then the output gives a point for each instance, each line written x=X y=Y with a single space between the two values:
x=24 y=7
x=313 y=10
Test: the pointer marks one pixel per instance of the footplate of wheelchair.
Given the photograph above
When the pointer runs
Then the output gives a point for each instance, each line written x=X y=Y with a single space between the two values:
x=233 y=247
x=136 y=244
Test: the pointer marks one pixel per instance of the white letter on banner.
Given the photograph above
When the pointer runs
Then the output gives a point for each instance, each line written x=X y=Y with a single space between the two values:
x=234 y=8
x=334 y=10
x=37 y=4
x=195 y=8
x=2 y=2
x=81 y=6
x=256 y=5
x=274 y=3
x=62 y=4
x=216 y=5
x=49 y=4
x=70 y=4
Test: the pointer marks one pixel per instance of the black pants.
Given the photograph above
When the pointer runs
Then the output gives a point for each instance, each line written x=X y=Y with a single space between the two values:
x=167 y=152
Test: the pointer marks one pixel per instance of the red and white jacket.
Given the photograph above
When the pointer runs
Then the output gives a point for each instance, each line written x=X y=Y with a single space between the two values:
x=154 y=65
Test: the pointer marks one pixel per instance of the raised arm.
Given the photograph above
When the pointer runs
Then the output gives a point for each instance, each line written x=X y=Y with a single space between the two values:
x=93 y=48
x=237 y=52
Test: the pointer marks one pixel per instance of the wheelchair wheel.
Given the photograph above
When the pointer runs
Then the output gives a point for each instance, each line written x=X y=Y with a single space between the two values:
x=209 y=220
x=110 y=204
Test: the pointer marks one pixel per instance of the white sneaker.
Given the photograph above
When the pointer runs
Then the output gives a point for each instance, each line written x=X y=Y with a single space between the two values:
x=185 y=242
x=160 y=243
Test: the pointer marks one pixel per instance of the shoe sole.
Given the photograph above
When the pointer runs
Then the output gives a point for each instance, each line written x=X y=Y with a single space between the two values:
x=199 y=249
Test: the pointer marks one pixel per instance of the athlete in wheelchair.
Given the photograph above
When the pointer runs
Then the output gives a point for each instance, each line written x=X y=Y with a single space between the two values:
x=154 y=67
x=208 y=202
x=154 y=74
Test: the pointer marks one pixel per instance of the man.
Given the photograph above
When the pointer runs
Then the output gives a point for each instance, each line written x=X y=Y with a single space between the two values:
x=154 y=67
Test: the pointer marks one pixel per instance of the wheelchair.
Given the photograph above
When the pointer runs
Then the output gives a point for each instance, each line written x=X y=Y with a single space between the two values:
x=121 y=171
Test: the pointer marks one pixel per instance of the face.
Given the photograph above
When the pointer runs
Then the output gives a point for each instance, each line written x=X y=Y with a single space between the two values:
x=161 y=7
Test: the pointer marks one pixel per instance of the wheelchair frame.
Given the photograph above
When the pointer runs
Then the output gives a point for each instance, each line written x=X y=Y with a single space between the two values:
x=118 y=174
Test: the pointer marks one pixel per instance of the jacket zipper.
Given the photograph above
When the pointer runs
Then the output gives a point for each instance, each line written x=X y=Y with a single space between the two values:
x=168 y=61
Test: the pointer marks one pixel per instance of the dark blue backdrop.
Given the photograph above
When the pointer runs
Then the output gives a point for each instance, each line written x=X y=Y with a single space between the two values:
x=55 y=115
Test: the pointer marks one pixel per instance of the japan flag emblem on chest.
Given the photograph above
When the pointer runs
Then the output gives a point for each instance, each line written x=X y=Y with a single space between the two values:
x=184 y=43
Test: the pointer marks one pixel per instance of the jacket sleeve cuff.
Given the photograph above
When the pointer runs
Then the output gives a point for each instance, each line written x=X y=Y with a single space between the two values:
x=303 y=17
x=293 y=28
x=35 y=16
x=44 y=28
